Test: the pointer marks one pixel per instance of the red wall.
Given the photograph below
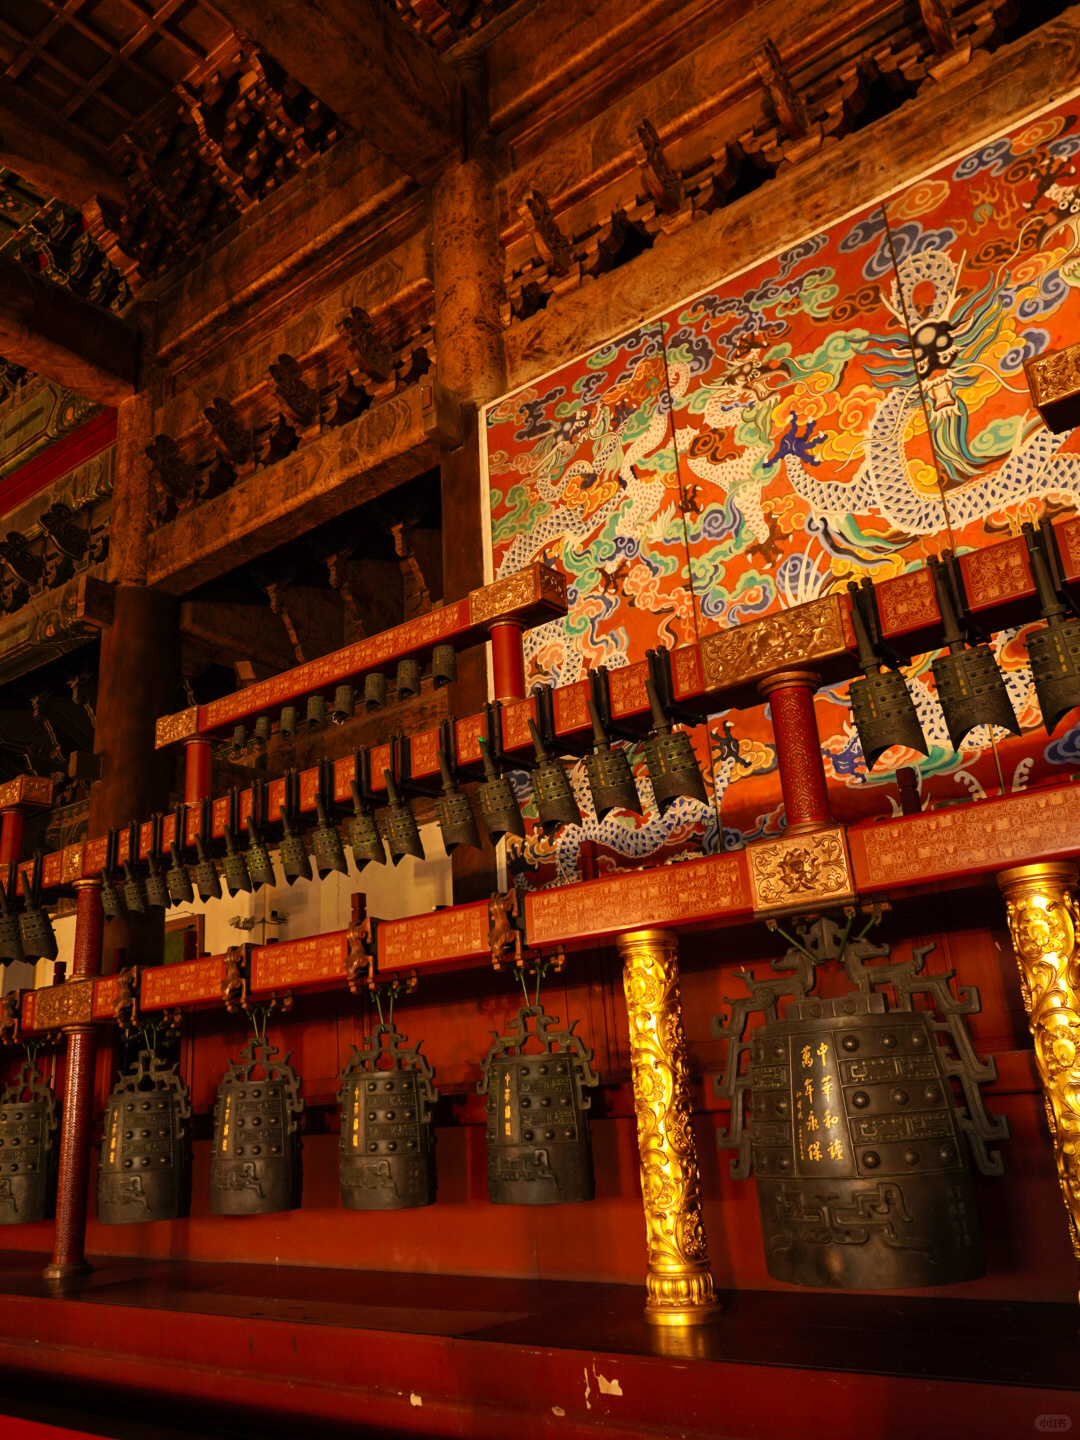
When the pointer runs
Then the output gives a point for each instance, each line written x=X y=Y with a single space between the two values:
x=1028 y=1254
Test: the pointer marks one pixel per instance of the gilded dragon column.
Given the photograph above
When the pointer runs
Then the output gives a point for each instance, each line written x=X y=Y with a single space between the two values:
x=1045 y=927
x=679 y=1283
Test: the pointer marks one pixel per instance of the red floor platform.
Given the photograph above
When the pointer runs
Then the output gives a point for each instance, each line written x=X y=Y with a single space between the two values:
x=183 y=1348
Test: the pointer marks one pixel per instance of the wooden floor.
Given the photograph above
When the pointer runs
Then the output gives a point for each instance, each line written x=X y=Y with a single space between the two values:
x=196 y=1348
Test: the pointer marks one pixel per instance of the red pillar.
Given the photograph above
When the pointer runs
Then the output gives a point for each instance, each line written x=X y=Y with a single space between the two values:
x=798 y=748
x=69 y=1237
x=11 y=836
x=197 y=758
x=508 y=660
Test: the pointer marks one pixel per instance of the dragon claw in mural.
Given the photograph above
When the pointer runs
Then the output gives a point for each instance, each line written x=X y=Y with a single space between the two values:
x=846 y=407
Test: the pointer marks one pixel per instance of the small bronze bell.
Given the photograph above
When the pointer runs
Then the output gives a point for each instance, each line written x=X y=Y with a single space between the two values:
x=134 y=891
x=970 y=688
x=367 y=843
x=344 y=704
x=402 y=836
x=329 y=852
x=29 y=1149
x=260 y=867
x=669 y=758
x=144 y=1166
x=443 y=665
x=387 y=1138
x=611 y=780
x=38 y=937
x=293 y=851
x=157 y=889
x=555 y=803
x=499 y=807
x=255 y=1167
x=374 y=691
x=206 y=874
x=236 y=872
x=881 y=706
x=10 y=934
x=287 y=725
x=179 y=878
x=408 y=678
x=454 y=813
x=539 y=1151
x=111 y=902
x=316 y=712
x=1054 y=650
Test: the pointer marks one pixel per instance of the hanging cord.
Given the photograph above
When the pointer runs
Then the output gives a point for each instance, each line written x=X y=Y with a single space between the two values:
x=875 y=919
x=540 y=970
x=259 y=1015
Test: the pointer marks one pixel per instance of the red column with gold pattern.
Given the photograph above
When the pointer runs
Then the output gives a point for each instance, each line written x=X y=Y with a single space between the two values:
x=798 y=748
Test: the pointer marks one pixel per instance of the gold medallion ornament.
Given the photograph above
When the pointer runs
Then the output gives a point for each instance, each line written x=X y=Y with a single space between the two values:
x=1044 y=923
x=679 y=1283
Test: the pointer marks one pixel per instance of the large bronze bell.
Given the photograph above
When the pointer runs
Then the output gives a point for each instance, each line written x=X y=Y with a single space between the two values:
x=364 y=837
x=881 y=705
x=1054 y=650
x=611 y=781
x=207 y=878
x=499 y=806
x=387 y=1138
x=538 y=1145
x=260 y=867
x=181 y=891
x=329 y=852
x=235 y=867
x=29 y=1149
x=10 y=933
x=294 y=856
x=144 y=1168
x=402 y=836
x=858 y=1155
x=670 y=760
x=457 y=823
x=256 y=1164
x=555 y=803
x=970 y=687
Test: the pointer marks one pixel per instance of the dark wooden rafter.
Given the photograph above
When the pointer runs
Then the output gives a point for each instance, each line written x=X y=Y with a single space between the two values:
x=51 y=155
x=359 y=58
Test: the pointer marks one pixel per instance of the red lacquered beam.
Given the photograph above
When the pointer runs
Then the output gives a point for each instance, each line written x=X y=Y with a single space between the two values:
x=531 y=597
x=314 y=963
x=715 y=888
x=964 y=840
x=443 y=939
x=195 y=983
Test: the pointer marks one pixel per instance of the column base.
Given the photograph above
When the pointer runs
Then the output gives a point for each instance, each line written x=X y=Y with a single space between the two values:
x=70 y=1270
x=681 y=1299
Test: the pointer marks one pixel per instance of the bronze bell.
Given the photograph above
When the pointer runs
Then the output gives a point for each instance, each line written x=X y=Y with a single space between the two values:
x=443 y=665
x=1054 y=650
x=294 y=856
x=287 y=724
x=457 y=822
x=367 y=843
x=144 y=1166
x=538 y=1145
x=402 y=836
x=260 y=867
x=329 y=852
x=316 y=712
x=499 y=806
x=255 y=1168
x=408 y=678
x=555 y=803
x=134 y=890
x=670 y=760
x=10 y=933
x=38 y=938
x=881 y=706
x=344 y=704
x=179 y=878
x=206 y=874
x=611 y=780
x=29 y=1149
x=157 y=889
x=970 y=688
x=111 y=902
x=387 y=1136
x=236 y=872
x=374 y=691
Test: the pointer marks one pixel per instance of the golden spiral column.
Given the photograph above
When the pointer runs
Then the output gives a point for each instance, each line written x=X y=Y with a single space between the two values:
x=679 y=1283
x=1045 y=926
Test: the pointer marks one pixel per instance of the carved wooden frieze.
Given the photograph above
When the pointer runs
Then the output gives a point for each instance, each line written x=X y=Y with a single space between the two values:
x=801 y=872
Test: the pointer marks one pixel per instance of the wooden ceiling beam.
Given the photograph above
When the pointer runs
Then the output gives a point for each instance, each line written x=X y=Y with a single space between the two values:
x=359 y=58
x=51 y=155
x=53 y=333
